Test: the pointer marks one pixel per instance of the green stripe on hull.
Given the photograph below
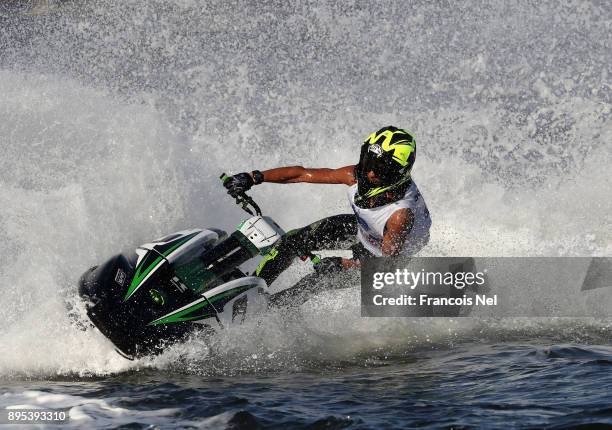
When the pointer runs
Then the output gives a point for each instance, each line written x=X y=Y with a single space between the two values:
x=183 y=315
x=142 y=271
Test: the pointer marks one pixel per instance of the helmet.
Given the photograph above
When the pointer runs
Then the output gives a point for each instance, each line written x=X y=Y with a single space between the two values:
x=390 y=154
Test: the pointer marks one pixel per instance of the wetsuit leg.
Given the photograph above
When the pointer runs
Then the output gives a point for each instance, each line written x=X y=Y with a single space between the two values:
x=327 y=233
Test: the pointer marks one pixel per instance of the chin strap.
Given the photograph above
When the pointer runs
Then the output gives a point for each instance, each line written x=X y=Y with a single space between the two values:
x=381 y=198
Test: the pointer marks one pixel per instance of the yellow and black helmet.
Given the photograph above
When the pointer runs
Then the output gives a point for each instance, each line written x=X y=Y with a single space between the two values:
x=389 y=153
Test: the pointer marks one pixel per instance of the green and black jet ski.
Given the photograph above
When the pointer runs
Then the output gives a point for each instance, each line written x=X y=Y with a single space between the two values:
x=165 y=289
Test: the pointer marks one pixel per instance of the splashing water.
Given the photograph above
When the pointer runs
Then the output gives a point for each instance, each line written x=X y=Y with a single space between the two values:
x=118 y=118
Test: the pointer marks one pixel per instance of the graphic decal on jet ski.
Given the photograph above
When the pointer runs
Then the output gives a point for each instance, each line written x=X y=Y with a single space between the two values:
x=183 y=314
x=152 y=262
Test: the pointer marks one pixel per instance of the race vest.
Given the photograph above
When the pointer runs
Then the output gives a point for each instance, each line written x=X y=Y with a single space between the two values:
x=372 y=221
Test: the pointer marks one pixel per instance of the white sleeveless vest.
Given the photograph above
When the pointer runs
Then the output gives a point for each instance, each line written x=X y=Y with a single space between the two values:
x=372 y=221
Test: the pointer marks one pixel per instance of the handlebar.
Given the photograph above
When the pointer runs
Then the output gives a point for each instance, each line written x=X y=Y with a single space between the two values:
x=243 y=200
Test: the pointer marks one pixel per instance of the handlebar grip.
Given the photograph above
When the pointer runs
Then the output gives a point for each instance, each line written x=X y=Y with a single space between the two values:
x=241 y=197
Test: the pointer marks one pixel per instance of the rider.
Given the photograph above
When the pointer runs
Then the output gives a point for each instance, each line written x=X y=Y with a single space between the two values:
x=390 y=216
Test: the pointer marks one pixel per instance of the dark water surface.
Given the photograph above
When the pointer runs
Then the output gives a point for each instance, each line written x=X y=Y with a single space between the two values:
x=513 y=385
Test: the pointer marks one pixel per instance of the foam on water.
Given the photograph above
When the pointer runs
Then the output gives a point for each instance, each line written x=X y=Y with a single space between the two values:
x=86 y=412
x=108 y=148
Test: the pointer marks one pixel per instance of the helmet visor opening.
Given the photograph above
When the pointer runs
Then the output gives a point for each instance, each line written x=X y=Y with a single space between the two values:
x=384 y=168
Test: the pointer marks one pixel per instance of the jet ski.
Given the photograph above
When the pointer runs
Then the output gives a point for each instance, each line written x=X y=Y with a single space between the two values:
x=164 y=290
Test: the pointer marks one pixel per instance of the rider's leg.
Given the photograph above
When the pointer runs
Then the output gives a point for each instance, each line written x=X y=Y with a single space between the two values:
x=327 y=233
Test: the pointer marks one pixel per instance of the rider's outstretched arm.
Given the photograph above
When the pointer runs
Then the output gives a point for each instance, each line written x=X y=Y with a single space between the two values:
x=294 y=174
x=241 y=182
